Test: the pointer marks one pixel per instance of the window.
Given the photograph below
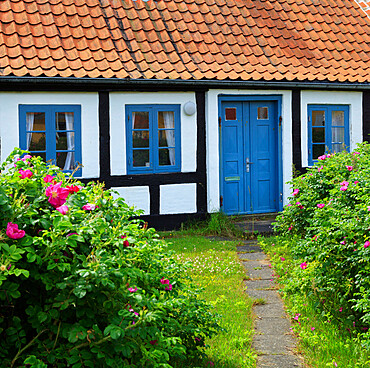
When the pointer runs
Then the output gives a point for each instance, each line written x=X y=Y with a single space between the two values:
x=52 y=132
x=328 y=130
x=153 y=138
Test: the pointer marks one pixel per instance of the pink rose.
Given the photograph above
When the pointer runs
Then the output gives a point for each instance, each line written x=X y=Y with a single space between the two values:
x=349 y=168
x=323 y=157
x=344 y=188
x=89 y=207
x=166 y=282
x=57 y=194
x=49 y=179
x=13 y=232
x=295 y=192
x=303 y=265
x=25 y=173
x=321 y=205
x=366 y=245
x=63 y=209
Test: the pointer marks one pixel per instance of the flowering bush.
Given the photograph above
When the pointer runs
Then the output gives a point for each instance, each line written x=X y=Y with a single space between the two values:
x=329 y=213
x=82 y=285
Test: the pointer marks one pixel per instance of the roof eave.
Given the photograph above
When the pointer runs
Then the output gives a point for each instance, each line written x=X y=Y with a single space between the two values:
x=15 y=83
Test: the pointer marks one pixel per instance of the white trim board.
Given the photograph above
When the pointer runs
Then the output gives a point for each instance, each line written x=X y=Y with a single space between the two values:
x=9 y=122
x=188 y=124
x=353 y=99
x=212 y=136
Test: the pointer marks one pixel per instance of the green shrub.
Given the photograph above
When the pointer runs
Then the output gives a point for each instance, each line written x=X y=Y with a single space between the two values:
x=82 y=285
x=329 y=214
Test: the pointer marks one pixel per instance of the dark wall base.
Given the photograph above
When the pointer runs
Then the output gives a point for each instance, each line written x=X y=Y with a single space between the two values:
x=172 y=222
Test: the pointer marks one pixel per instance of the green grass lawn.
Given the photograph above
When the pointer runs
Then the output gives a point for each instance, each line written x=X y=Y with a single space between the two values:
x=215 y=267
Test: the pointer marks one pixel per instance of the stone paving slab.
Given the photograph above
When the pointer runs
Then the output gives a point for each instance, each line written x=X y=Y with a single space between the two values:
x=273 y=325
x=273 y=344
x=279 y=361
x=270 y=296
x=260 y=285
x=258 y=270
x=269 y=310
x=257 y=256
x=248 y=248
x=261 y=226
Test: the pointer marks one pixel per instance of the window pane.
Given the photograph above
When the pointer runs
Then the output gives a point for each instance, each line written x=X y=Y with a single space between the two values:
x=318 y=118
x=141 y=158
x=166 y=120
x=64 y=121
x=65 y=140
x=36 y=142
x=65 y=160
x=35 y=121
x=262 y=113
x=337 y=135
x=318 y=135
x=140 y=138
x=167 y=156
x=230 y=113
x=140 y=120
x=337 y=118
x=166 y=138
x=338 y=147
x=317 y=150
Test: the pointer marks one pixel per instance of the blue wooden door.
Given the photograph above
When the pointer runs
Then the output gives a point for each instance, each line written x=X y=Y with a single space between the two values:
x=249 y=157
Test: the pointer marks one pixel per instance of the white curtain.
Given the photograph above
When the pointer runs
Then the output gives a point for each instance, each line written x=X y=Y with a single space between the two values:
x=70 y=141
x=30 y=119
x=169 y=124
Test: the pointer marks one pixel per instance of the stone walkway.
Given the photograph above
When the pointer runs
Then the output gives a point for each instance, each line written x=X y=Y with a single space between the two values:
x=273 y=341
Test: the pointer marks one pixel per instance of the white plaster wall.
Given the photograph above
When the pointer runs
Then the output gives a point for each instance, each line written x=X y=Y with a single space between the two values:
x=353 y=99
x=118 y=100
x=212 y=136
x=138 y=197
x=9 y=122
x=178 y=198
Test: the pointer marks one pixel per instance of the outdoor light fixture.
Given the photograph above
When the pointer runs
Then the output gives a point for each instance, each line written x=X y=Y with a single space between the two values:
x=189 y=108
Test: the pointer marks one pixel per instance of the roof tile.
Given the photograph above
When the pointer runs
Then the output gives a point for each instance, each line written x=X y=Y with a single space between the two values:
x=186 y=39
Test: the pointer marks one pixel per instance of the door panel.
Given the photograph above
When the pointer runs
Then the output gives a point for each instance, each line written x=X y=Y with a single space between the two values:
x=232 y=143
x=249 y=157
x=264 y=154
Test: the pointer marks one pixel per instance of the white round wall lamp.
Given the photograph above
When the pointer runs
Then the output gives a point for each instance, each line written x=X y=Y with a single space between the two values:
x=189 y=108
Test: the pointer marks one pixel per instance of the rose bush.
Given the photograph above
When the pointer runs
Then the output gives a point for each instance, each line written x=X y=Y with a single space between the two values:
x=328 y=217
x=82 y=285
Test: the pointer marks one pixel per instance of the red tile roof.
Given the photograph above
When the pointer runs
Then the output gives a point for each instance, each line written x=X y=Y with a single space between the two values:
x=273 y=40
x=365 y=5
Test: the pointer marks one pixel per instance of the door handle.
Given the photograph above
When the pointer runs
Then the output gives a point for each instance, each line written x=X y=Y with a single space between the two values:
x=247 y=163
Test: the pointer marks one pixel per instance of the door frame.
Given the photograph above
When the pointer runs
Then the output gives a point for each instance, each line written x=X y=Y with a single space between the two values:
x=250 y=98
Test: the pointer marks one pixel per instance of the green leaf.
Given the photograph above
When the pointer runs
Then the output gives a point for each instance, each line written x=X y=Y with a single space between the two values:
x=42 y=316
x=45 y=223
x=31 y=257
x=79 y=292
